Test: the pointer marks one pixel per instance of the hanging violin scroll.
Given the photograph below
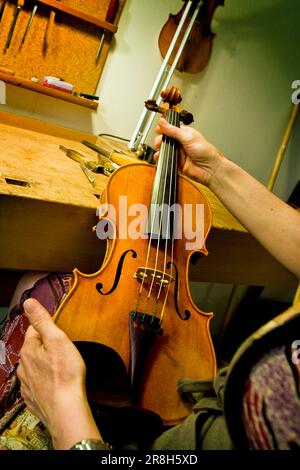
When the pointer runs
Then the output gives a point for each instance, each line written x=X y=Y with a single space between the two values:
x=197 y=50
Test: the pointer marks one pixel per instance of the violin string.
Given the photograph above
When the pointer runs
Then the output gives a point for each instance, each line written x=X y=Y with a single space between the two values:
x=173 y=152
x=165 y=153
x=177 y=123
x=167 y=158
x=174 y=155
x=159 y=166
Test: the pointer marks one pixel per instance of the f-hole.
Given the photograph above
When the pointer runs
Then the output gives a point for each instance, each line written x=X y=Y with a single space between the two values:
x=99 y=285
x=186 y=312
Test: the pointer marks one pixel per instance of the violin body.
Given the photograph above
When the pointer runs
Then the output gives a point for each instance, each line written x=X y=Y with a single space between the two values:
x=197 y=50
x=98 y=306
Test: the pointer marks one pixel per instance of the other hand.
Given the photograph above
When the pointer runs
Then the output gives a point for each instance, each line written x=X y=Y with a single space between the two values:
x=52 y=376
x=200 y=159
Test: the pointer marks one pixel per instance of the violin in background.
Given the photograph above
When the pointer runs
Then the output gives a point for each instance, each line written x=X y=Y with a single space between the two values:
x=197 y=50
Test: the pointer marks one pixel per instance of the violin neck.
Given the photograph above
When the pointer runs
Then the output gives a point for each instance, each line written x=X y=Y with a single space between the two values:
x=164 y=192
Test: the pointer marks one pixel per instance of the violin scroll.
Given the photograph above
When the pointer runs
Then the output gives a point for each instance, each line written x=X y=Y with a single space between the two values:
x=171 y=97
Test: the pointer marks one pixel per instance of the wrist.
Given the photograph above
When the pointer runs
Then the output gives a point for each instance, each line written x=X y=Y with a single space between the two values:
x=91 y=444
x=72 y=422
x=220 y=171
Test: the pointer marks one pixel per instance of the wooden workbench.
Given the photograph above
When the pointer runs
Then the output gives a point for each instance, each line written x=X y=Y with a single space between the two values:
x=48 y=209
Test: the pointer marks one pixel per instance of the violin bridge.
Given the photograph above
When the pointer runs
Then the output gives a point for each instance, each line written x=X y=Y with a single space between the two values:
x=148 y=274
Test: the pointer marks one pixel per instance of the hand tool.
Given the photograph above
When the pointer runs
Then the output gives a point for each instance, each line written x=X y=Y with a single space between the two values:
x=79 y=158
x=2 y=9
x=87 y=173
x=89 y=97
x=18 y=8
x=50 y=27
x=115 y=157
x=98 y=149
x=29 y=23
x=110 y=16
x=85 y=164
x=85 y=95
x=105 y=166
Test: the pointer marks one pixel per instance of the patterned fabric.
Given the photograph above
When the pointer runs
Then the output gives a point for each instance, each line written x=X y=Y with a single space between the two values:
x=18 y=427
x=271 y=403
x=25 y=432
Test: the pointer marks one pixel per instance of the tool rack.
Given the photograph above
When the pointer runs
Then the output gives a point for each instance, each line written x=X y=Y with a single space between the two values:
x=69 y=52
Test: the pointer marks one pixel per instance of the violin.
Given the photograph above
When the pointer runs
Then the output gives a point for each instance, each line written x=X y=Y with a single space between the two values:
x=138 y=304
x=197 y=50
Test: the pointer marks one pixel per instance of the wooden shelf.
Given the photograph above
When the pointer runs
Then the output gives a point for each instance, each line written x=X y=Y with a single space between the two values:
x=81 y=15
x=44 y=90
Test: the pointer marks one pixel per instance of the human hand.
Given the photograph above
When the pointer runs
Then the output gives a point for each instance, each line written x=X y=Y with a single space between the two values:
x=52 y=376
x=200 y=159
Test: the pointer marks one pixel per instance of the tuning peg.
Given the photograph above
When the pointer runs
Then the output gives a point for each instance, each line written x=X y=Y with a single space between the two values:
x=186 y=117
x=151 y=105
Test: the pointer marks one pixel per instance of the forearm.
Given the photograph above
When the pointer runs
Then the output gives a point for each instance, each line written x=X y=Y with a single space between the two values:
x=72 y=424
x=271 y=221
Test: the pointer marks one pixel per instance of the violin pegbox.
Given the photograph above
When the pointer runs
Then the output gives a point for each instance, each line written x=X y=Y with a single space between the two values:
x=171 y=98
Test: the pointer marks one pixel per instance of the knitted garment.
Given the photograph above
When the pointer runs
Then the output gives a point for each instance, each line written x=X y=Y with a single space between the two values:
x=271 y=403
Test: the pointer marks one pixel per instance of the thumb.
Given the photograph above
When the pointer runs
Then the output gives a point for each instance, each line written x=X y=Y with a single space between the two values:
x=40 y=319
